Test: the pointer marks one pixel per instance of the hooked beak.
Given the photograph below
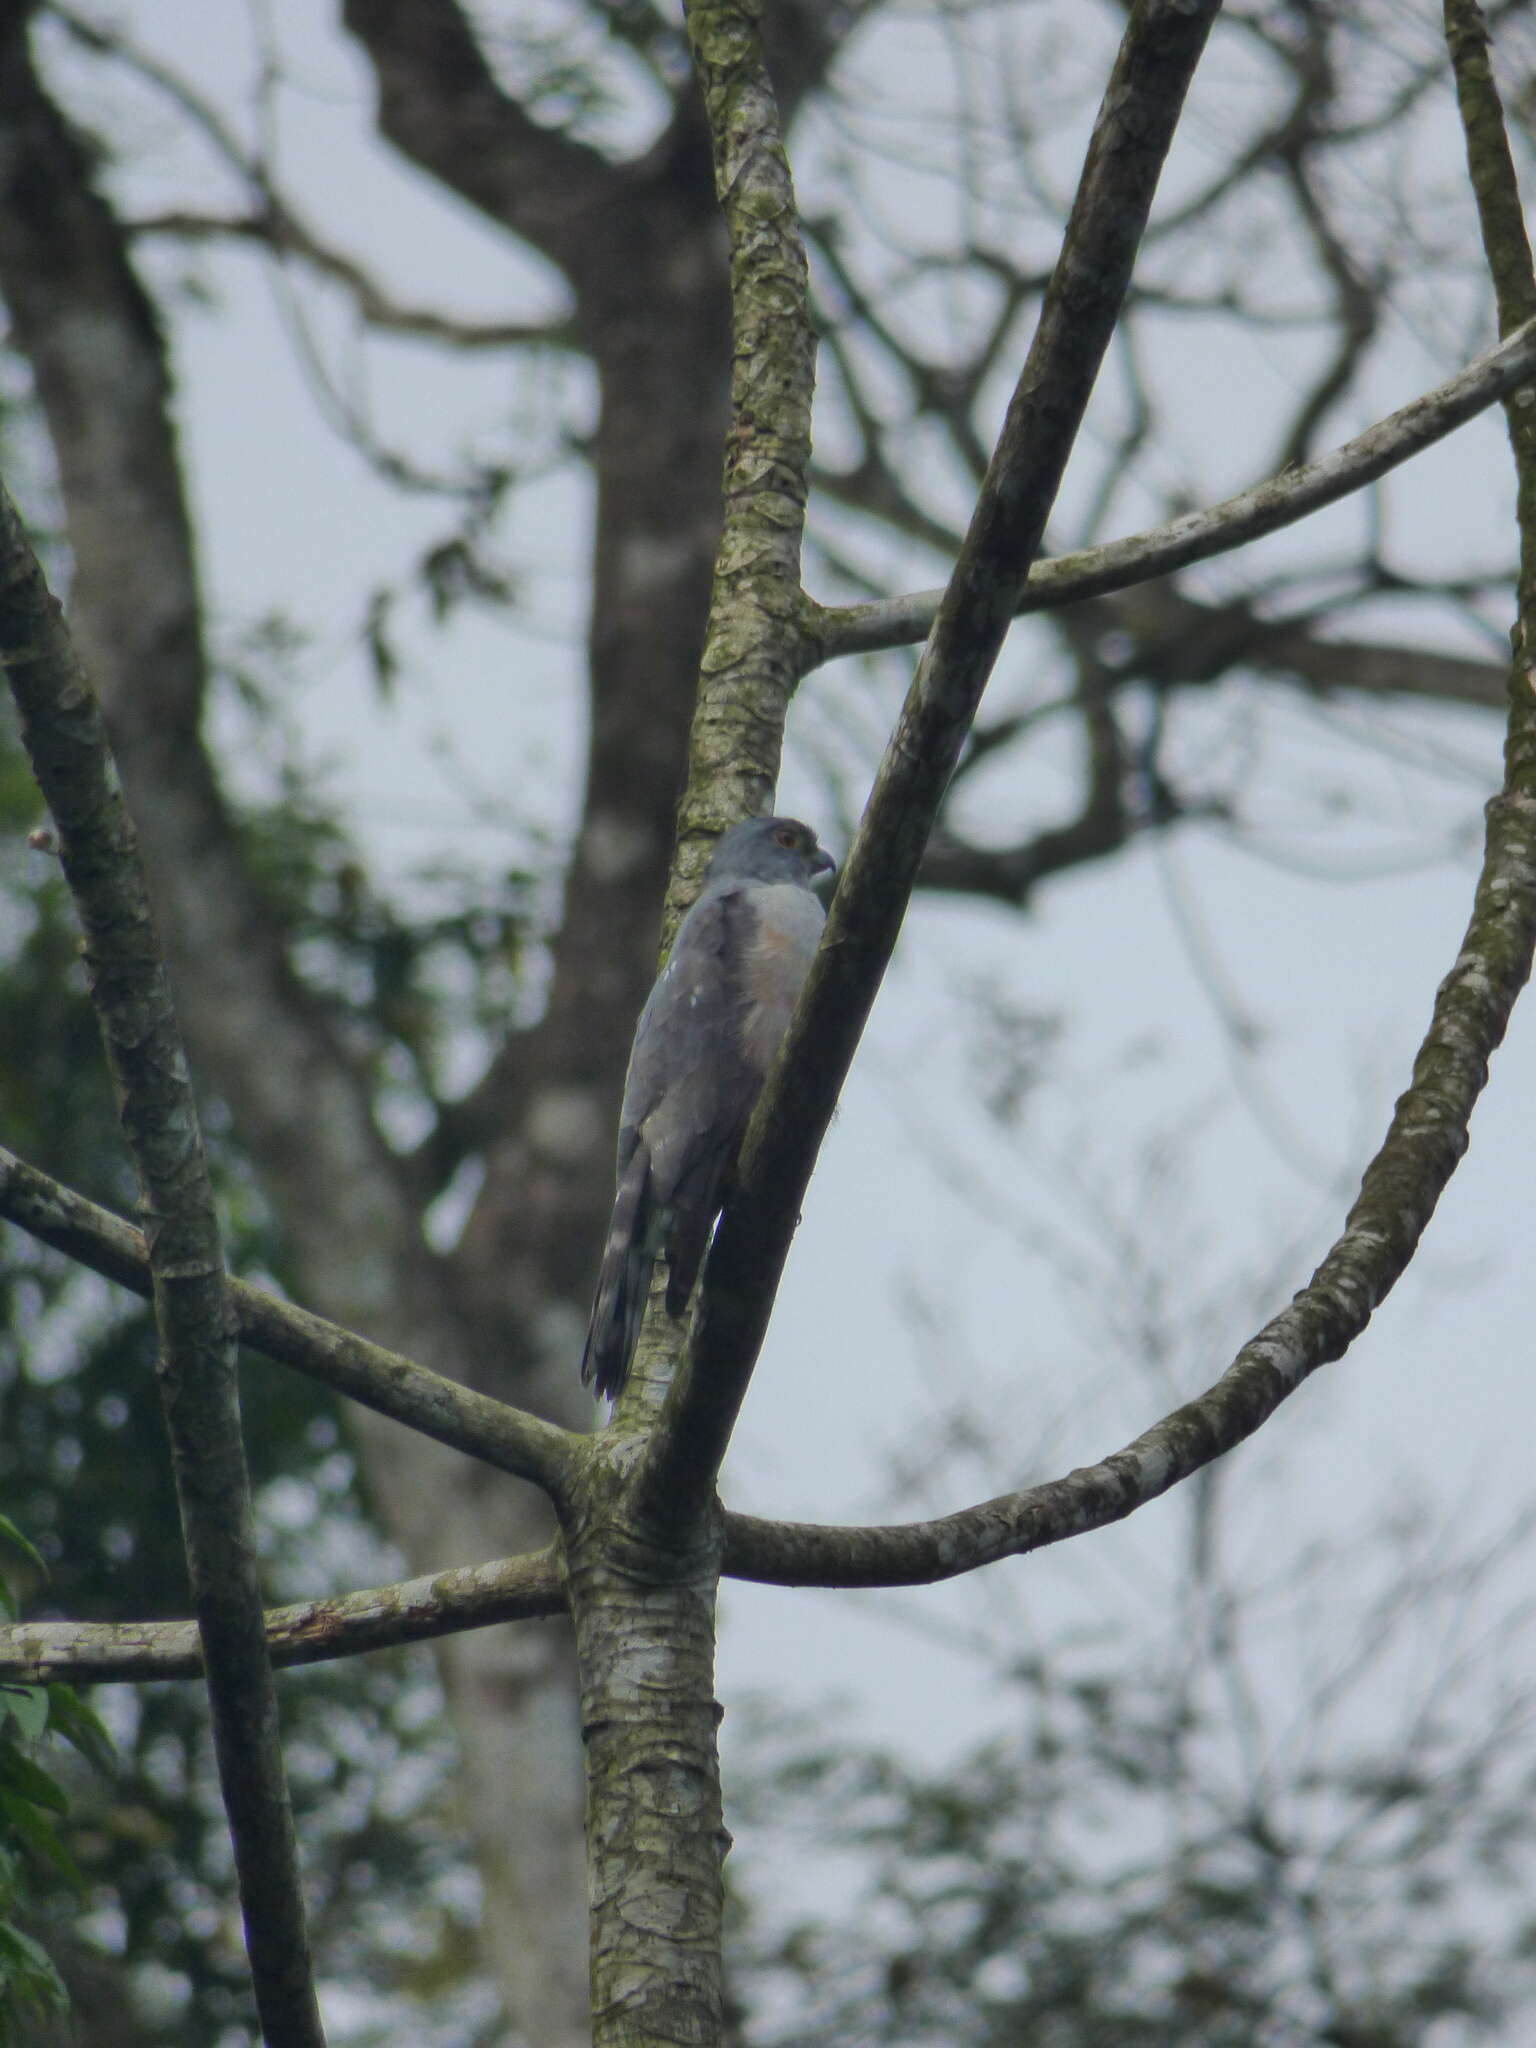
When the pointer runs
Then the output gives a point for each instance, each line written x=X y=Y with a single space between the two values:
x=822 y=862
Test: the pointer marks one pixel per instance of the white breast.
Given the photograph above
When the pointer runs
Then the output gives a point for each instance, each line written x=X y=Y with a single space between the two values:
x=786 y=931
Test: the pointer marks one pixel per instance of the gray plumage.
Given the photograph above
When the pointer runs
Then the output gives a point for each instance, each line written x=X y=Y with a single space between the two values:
x=705 y=1041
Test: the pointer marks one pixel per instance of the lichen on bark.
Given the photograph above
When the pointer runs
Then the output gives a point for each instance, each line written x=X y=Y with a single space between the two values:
x=752 y=656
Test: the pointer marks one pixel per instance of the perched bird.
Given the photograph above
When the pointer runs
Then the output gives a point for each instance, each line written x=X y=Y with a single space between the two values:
x=703 y=1046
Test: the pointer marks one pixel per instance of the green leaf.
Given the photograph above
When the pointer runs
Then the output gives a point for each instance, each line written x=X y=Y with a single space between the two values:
x=80 y=1726
x=26 y=1974
x=41 y=1837
x=27 y=1706
x=20 y=1778
x=12 y=1535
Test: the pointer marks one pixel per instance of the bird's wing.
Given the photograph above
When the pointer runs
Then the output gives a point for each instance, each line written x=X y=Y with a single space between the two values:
x=693 y=1084
x=706 y=1038
x=687 y=1096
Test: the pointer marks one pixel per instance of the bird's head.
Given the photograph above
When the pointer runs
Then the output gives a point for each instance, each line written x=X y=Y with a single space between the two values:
x=769 y=850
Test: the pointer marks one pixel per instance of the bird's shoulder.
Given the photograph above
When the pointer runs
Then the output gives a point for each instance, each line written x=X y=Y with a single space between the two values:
x=708 y=944
x=689 y=1013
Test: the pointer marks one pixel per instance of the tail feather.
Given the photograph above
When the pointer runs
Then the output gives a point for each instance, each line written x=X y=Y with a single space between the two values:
x=695 y=1206
x=623 y=1282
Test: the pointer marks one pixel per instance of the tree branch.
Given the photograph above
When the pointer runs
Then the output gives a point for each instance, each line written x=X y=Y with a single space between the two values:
x=748 y=669
x=1136 y=123
x=278 y=229
x=836 y=630
x=1424 y=1143
x=490 y=1430
x=525 y=1588
x=1501 y=214
x=197 y=1364
x=440 y=105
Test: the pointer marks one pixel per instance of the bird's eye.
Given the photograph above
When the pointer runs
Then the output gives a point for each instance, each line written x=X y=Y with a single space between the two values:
x=785 y=837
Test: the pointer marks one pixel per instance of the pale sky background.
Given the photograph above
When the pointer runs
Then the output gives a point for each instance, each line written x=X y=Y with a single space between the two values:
x=918 y=1193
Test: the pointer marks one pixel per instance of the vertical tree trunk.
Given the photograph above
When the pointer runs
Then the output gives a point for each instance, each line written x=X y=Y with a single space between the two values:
x=656 y=1842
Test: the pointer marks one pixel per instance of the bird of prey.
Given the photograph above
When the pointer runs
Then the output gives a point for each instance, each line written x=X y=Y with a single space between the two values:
x=703 y=1046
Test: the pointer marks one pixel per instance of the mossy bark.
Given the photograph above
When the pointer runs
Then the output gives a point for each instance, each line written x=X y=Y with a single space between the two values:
x=644 y=1615
x=752 y=649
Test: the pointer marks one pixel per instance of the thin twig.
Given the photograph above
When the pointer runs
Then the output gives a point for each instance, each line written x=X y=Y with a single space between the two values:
x=837 y=630
x=278 y=229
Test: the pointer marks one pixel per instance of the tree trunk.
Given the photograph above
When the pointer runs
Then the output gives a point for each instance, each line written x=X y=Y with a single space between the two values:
x=656 y=1841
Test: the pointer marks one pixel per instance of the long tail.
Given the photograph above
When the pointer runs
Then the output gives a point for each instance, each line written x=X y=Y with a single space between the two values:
x=623 y=1281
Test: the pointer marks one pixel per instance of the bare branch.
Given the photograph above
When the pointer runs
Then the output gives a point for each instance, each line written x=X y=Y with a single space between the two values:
x=1103 y=825
x=490 y=1430
x=1141 y=107
x=1500 y=212
x=1403 y=1183
x=1357 y=307
x=1265 y=508
x=279 y=229
x=194 y=106
x=197 y=1365
x=525 y=1588
x=1428 y=1133
x=440 y=104
x=1375 y=668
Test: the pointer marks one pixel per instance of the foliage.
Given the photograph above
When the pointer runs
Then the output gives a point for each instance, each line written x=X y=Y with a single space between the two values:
x=33 y=1807
x=1102 y=1874
x=128 y=1891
